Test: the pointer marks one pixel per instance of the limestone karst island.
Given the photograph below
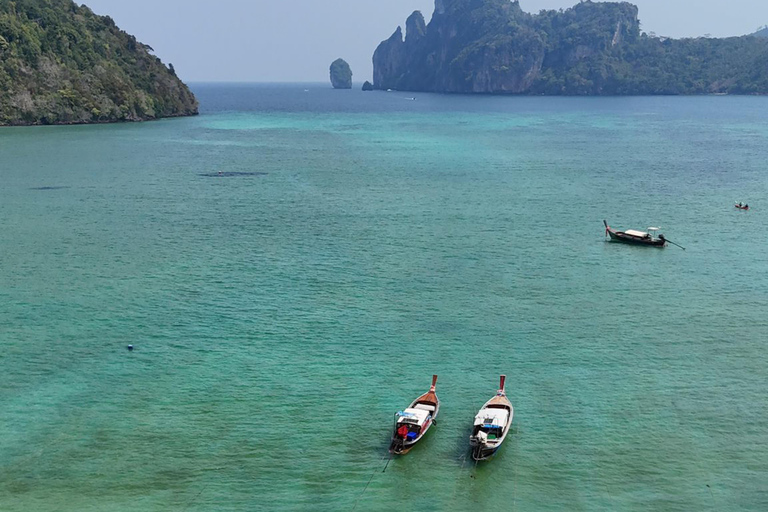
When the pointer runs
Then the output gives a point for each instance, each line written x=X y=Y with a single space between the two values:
x=62 y=64
x=593 y=48
x=341 y=74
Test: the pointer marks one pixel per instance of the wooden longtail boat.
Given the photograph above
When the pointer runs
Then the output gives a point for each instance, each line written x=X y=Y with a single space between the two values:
x=412 y=423
x=631 y=236
x=492 y=424
x=742 y=206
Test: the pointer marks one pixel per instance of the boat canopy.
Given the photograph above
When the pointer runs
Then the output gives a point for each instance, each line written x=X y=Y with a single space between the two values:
x=494 y=417
x=414 y=416
x=641 y=234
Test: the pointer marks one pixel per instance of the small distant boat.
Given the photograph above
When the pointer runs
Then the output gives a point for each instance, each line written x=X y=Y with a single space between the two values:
x=413 y=423
x=632 y=236
x=491 y=424
x=742 y=206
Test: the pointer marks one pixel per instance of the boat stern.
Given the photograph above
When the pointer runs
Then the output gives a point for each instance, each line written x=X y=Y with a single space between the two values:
x=483 y=452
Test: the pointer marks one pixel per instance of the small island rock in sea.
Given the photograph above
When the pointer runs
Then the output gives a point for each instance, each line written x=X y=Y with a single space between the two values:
x=367 y=86
x=96 y=73
x=341 y=74
x=593 y=48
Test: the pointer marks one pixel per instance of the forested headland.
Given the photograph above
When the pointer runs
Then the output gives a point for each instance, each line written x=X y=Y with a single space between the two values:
x=62 y=64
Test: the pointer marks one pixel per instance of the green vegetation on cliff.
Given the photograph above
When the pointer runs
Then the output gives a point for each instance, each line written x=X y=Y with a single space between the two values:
x=493 y=46
x=62 y=64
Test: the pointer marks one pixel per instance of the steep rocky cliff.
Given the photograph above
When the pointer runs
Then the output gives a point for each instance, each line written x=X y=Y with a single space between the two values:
x=493 y=46
x=62 y=64
x=341 y=74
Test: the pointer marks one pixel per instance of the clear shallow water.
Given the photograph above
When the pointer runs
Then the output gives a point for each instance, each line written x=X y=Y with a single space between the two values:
x=355 y=244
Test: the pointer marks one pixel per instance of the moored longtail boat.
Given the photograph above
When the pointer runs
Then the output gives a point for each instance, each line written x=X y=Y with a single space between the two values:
x=634 y=237
x=412 y=423
x=492 y=424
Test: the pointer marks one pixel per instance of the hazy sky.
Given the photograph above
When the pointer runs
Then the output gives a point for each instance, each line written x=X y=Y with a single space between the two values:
x=296 y=40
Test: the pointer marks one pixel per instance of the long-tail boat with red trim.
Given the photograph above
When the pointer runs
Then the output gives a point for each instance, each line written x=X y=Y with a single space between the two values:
x=742 y=206
x=413 y=423
x=492 y=424
x=634 y=237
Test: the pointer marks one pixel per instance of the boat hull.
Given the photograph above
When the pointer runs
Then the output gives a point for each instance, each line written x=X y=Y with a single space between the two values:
x=617 y=236
x=634 y=237
x=401 y=446
x=626 y=239
x=481 y=452
x=481 y=449
x=398 y=447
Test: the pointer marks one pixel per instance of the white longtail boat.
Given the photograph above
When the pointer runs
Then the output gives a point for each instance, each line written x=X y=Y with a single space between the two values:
x=412 y=423
x=492 y=424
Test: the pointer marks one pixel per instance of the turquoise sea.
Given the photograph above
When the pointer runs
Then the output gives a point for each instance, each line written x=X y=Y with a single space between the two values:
x=355 y=244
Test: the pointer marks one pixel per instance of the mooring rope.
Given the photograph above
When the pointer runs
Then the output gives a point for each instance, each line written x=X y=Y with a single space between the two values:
x=192 y=502
x=461 y=470
x=387 y=464
x=375 y=470
x=514 y=485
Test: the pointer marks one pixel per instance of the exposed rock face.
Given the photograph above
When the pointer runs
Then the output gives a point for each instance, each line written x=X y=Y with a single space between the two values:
x=389 y=62
x=341 y=74
x=493 y=46
x=367 y=86
x=485 y=46
x=415 y=27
